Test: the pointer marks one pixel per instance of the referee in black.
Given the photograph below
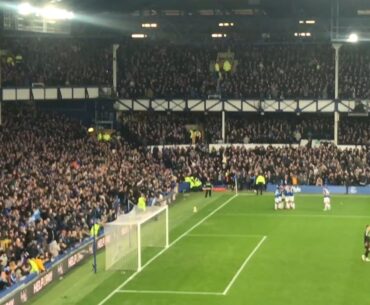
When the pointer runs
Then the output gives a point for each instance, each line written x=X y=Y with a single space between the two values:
x=208 y=188
x=365 y=257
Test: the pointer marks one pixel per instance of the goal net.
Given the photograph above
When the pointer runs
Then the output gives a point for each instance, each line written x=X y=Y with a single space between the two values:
x=135 y=238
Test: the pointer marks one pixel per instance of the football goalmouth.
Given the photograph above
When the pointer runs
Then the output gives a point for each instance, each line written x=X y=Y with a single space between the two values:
x=134 y=238
x=130 y=239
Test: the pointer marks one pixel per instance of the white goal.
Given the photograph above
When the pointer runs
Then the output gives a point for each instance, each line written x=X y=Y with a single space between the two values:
x=135 y=238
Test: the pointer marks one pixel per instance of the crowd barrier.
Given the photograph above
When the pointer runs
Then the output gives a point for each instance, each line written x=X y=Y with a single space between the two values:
x=315 y=143
x=23 y=291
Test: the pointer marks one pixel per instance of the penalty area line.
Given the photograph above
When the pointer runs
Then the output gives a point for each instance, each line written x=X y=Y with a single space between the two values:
x=243 y=265
x=165 y=249
x=169 y=292
x=226 y=235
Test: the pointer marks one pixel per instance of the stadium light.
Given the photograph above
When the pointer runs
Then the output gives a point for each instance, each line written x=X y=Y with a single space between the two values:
x=25 y=9
x=138 y=36
x=352 y=38
x=307 y=21
x=54 y=13
x=47 y=12
x=149 y=25
x=302 y=34
x=226 y=24
x=218 y=35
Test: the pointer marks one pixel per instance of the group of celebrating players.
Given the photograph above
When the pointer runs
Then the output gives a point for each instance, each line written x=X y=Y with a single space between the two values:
x=284 y=198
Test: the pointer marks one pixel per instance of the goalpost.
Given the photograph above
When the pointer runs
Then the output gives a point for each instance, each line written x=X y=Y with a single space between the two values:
x=134 y=238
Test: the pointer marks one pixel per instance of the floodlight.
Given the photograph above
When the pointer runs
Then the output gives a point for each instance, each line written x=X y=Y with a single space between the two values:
x=149 y=25
x=70 y=15
x=218 y=35
x=25 y=9
x=138 y=36
x=352 y=38
x=53 y=13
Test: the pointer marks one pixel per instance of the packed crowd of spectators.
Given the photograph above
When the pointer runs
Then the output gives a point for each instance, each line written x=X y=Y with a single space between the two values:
x=307 y=164
x=275 y=129
x=354 y=72
x=52 y=61
x=268 y=71
x=354 y=131
x=158 y=69
x=55 y=179
x=160 y=128
x=156 y=128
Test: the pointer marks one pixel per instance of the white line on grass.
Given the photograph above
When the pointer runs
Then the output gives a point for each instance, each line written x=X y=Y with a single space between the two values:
x=243 y=265
x=170 y=245
x=224 y=235
x=282 y=214
x=169 y=292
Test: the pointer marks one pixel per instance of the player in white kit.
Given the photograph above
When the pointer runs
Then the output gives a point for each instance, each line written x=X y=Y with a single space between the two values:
x=289 y=197
x=326 y=193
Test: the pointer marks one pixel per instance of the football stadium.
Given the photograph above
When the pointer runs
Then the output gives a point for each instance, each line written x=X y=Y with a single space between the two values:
x=195 y=152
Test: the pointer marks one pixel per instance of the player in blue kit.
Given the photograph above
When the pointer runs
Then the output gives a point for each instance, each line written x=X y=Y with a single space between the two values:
x=289 y=197
x=278 y=198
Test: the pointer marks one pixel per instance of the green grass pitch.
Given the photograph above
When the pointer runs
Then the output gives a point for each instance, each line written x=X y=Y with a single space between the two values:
x=238 y=250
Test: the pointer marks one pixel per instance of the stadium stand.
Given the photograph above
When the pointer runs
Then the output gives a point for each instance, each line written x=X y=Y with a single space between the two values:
x=54 y=179
x=163 y=70
x=56 y=61
x=175 y=128
x=54 y=173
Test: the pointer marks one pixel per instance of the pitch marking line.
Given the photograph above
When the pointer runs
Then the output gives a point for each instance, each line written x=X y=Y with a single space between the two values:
x=170 y=292
x=243 y=265
x=160 y=252
x=278 y=214
x=225 y=235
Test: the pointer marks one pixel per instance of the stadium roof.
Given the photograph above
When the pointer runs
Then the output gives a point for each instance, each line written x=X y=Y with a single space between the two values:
x=282 y=8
